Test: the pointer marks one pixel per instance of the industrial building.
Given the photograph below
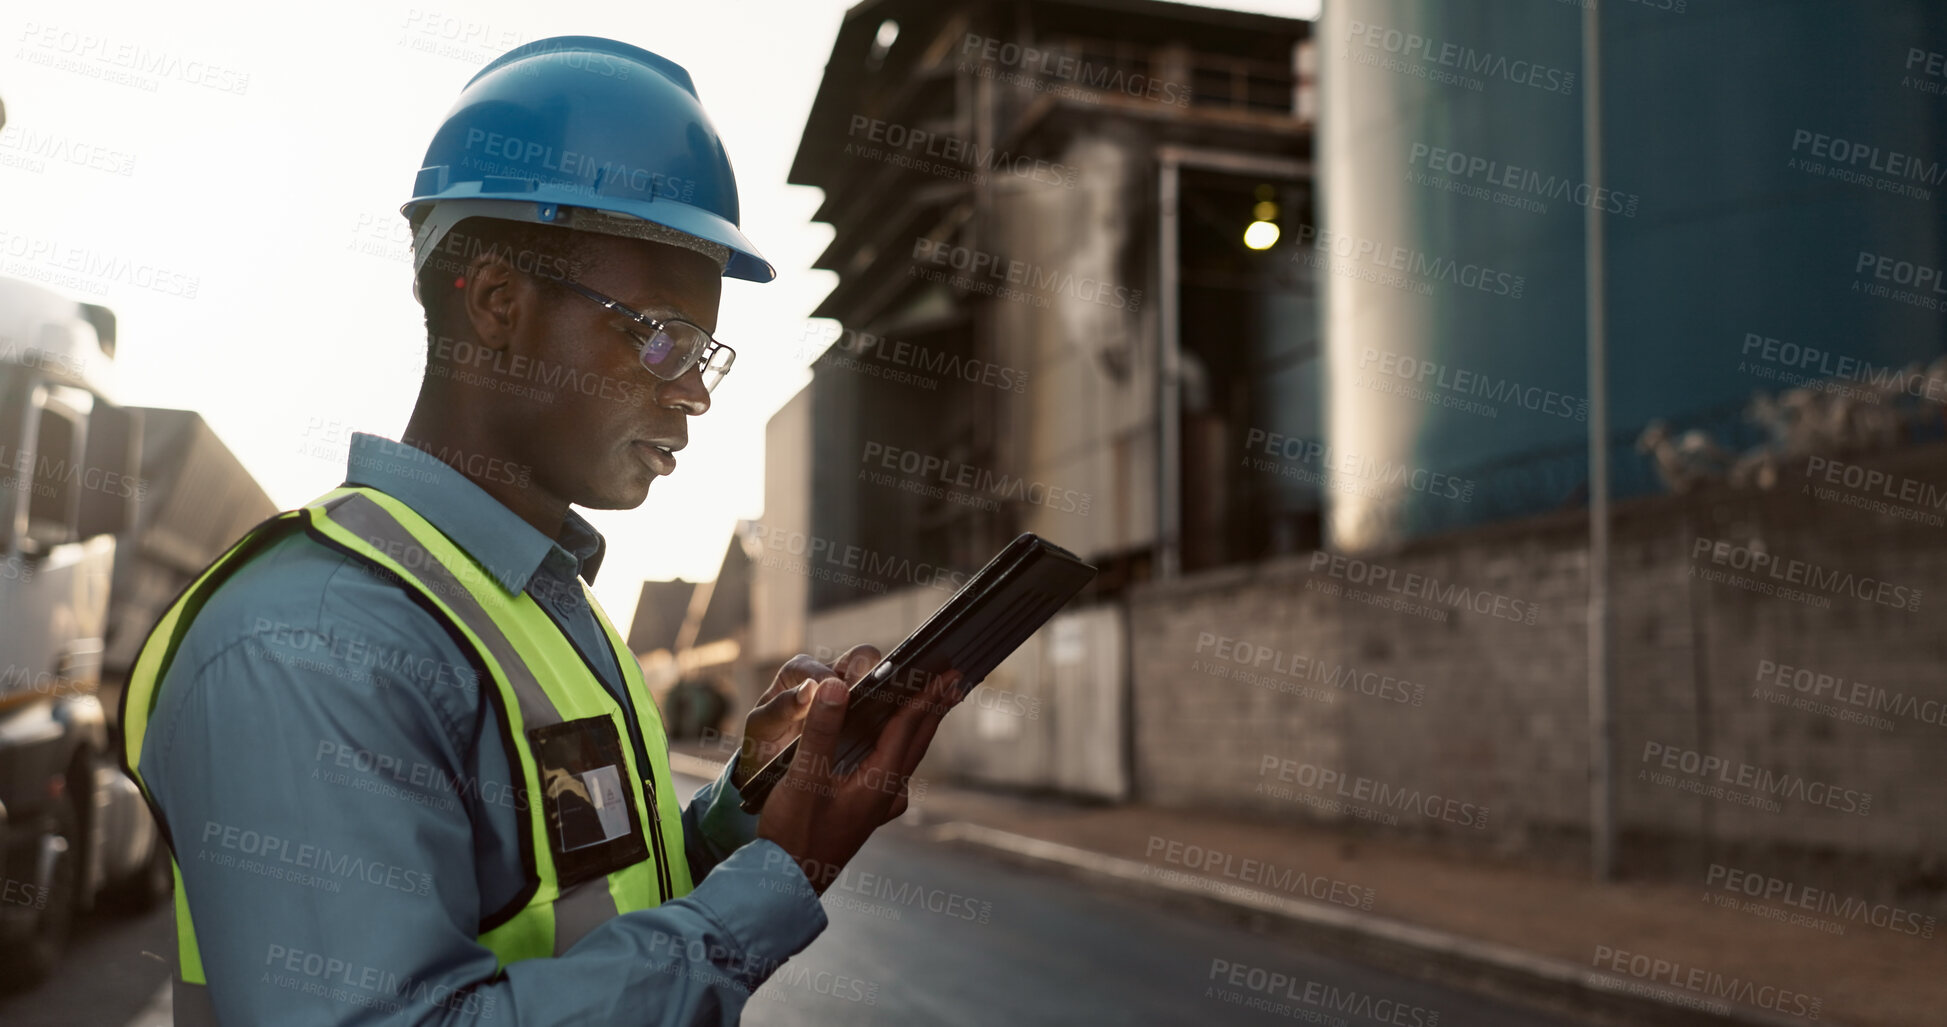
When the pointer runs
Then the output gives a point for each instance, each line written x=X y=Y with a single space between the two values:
x=1026 y=199
x=1285 y=327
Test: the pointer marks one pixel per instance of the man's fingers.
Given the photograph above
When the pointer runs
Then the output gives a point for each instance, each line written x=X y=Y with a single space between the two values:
x=947 y=697
x=781 y=711
x=774 y=724
x=801 y=668
x=856 y=662
x=889 y=749
x=893 y=751
x=796 y=671
x=811 y=767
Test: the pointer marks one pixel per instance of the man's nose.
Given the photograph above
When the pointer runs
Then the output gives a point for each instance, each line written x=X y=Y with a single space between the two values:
x=685 y=393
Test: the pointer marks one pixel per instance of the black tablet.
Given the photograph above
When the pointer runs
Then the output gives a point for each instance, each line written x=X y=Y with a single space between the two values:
x=988 y=618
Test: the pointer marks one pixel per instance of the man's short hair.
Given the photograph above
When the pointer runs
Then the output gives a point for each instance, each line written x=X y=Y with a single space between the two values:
x=545 y=251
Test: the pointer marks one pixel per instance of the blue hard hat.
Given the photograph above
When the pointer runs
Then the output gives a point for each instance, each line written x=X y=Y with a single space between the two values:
x=574 y=124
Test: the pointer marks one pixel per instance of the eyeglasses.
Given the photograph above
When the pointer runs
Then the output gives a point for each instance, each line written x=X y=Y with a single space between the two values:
x=669 y=348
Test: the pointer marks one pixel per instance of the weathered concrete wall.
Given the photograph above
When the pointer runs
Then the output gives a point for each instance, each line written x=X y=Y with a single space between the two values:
x=1482 y=635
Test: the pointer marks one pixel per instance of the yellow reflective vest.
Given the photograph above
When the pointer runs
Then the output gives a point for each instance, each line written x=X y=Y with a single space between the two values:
x=589 y=853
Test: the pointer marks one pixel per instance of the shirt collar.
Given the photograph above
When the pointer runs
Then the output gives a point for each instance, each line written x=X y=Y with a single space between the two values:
x=510 y=549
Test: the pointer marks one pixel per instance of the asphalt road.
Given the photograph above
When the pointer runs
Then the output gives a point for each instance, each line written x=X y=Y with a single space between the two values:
x=114 y=967
x=901 y=950
x=925 y=933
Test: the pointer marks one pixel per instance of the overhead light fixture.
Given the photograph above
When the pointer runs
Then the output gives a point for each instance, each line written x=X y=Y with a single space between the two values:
x=1262 y=233
x=882 y=42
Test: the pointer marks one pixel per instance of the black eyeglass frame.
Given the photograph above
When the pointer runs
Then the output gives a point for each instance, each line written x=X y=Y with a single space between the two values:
x=699 y=355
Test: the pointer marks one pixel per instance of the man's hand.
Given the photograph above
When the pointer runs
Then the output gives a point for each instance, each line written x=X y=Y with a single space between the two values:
x=780 y=712
x=820 y=817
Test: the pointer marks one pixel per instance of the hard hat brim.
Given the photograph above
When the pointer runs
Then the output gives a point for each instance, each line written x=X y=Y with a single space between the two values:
x=466 y=199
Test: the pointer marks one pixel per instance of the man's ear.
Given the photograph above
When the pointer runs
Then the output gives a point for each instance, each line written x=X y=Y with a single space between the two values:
x=496 y=298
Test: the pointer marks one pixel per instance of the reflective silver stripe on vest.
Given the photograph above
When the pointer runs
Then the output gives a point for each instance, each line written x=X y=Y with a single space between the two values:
x=191 y=1003
x=372 y=523
x=584 y=907
x=580 y=909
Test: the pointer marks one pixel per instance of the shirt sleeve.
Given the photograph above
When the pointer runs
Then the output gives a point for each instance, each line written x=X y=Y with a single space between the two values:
x=321 y=820
x=715 y=824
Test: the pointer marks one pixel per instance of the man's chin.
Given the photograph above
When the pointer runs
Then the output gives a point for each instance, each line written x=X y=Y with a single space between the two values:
x=620 y=492
x=618 y=496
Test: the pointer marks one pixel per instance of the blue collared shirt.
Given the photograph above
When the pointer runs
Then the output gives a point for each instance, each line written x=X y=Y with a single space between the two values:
x=345 y=814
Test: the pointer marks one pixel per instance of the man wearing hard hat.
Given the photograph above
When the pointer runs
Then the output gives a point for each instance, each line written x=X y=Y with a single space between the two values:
x=408 y=770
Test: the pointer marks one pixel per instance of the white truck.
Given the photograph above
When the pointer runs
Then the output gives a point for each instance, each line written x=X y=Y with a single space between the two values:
x=74 y=830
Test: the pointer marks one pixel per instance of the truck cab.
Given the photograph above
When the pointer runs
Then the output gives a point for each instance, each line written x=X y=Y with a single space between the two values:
x=73 y=827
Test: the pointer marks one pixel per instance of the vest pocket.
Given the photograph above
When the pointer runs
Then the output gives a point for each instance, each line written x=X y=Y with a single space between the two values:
x=594 y=826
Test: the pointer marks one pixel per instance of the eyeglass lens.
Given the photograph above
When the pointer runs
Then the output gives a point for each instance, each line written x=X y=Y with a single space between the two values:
x=668 y=352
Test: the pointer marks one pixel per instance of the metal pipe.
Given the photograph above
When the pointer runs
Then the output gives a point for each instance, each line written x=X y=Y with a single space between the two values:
x=1169 y=413
x=1602 y=783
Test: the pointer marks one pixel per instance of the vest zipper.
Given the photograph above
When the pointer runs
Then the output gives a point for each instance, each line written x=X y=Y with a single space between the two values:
x=664 y=883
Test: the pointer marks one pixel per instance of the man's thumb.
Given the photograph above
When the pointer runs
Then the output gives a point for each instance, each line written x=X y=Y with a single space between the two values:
x=827 y=715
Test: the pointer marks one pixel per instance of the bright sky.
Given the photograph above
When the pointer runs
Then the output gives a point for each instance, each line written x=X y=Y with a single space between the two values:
x=240 y=167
